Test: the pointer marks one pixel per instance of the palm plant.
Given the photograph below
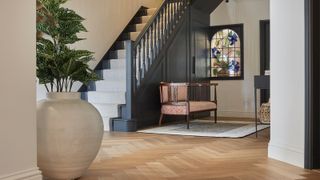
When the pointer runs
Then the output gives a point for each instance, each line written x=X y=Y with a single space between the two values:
x=58 y=65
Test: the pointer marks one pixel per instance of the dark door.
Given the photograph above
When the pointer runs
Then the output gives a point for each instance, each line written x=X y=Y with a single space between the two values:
x=264 y=54
x=199 y=54
x=200 y=59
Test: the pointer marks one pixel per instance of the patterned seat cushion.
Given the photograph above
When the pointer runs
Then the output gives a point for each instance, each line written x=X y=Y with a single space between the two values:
x=180 y=108
x=196 y=106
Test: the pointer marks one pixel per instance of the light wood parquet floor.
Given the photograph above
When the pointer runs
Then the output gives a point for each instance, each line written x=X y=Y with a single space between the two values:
x=137 y=156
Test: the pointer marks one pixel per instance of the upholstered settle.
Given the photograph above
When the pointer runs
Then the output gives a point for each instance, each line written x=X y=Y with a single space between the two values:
x=181 y=108
x=175 y=100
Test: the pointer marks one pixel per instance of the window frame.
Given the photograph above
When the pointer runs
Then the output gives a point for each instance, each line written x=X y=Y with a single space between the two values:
x=238 y=28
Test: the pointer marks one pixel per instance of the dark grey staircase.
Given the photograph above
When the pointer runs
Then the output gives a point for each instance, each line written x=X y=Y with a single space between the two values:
x=144 y=53
x=109 y=94
x=157 y=45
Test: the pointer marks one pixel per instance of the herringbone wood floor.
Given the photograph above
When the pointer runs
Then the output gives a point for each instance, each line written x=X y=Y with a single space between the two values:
x=136 y=156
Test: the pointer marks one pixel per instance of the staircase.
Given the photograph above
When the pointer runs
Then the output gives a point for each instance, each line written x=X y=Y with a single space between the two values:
x=130 y=59
x=108 y=94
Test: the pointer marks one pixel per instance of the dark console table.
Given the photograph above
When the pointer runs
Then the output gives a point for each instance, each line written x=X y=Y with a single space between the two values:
x=260 y=82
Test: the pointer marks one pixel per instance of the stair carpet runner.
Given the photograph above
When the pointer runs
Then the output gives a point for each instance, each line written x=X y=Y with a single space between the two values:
x=109 y=93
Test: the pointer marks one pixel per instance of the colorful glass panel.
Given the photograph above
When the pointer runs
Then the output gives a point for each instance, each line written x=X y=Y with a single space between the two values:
x=226 y=54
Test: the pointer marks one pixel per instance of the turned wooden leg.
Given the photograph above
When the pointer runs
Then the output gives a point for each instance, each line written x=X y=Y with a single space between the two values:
x=215 y=116
x=161 y=117
x=188 y=119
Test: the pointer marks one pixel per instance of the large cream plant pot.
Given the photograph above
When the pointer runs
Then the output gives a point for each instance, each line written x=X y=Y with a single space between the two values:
x=69 y=135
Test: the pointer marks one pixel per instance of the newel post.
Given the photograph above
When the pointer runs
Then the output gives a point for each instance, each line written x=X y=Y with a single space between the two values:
x=127 y=123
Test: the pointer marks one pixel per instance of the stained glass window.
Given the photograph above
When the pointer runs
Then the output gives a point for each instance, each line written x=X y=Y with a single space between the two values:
x=226 y=53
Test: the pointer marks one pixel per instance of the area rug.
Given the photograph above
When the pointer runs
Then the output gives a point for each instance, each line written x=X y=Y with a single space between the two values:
x=205 y=128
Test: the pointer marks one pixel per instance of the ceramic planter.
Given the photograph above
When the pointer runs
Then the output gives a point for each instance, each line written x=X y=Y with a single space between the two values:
x=69 y=135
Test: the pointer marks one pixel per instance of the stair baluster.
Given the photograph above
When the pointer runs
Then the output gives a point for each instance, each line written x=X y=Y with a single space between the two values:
x=151 y=44
x=155 y=39
x=161 y=27
x=165 y=21
x=139 y=64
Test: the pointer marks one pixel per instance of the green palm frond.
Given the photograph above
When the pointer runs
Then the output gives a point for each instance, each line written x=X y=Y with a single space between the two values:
x=57 y=64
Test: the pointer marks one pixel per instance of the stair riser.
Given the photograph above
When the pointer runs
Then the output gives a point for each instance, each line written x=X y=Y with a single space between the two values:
x=113 y=74
x=114 y=64
x=110 y=86
x=151 y=11
x=147 y=12
x=107 y=110
x=130 y=36
x=118 y=64
x=134 y=35
x=139 y=28
x=135 y=28
x=106 y=97
x=119 y=54
x=124 y=37
x=104 y=86
x=118 y=45
x=141 y=20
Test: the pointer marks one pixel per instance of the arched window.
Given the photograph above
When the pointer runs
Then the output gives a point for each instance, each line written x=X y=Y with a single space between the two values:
x=227 y=52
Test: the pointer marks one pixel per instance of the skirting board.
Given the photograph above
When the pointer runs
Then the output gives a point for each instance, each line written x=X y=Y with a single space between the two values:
x=123 y=125
x=234 y=114
x=30 y=174
x=286 y=154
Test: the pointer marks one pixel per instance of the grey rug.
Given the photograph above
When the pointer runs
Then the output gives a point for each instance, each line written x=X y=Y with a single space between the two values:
x=207 y=128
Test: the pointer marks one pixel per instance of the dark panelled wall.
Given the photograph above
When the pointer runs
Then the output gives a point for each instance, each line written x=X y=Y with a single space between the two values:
x=200 y=44
x=178 y=56
x=184 y=59
x=200 y=50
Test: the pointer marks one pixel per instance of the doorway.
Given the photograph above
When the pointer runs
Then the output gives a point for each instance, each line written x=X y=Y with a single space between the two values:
x=312 y=86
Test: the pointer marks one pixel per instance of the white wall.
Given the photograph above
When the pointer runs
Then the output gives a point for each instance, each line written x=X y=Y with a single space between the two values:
x=236 y=97
x=18 y=95
x=105 y=20
x=287 y=81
